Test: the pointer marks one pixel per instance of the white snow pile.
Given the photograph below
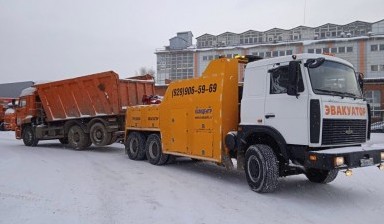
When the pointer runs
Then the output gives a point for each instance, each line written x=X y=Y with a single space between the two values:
x=28 y=91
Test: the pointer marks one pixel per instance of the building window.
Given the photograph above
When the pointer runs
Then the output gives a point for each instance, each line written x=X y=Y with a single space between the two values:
x=381 y=47
x=373 y=98
x=349 y=49
x=333 y=50
x=282 y=53
x=204 y=58
x=288 y=52
x=325 y=50
x=374 y=47
x=311 y=51
x=381 y=67
x=341 y=49
x=268 y=54
x=261 y=54
x=318 y=51
x=210 y=57
x=374 y=68
x=275 y=53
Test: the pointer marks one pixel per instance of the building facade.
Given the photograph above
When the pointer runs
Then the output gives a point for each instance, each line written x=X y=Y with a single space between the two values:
x=360 y=43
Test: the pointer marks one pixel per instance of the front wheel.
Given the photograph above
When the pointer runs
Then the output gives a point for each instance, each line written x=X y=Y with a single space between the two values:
x=321 y=176
x=261 y=168
x=29 y=137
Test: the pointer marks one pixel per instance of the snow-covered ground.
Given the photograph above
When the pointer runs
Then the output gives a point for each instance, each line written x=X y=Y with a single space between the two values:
x=53 y=184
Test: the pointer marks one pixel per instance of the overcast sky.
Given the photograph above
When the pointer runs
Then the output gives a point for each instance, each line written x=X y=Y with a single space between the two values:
x=52 y=40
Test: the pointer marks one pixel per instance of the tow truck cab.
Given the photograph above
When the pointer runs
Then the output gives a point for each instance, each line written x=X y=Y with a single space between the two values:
x=306 y=106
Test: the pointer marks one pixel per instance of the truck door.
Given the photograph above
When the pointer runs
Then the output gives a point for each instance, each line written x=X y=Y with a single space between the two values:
x=287 y=114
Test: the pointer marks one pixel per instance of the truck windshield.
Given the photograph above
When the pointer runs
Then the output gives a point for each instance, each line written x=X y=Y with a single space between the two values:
x=333 y=78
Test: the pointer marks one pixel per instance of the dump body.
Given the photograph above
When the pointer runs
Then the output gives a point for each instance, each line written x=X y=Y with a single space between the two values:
x=80 y=111
x=89 y=96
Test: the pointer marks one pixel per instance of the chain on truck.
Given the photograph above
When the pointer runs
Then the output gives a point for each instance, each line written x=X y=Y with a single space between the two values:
x=298 y=114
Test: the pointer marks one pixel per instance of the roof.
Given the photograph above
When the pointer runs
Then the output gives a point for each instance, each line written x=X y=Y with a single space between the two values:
x=13 y=90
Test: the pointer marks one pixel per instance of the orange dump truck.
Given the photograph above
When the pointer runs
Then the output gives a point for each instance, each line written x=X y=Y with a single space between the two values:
x=1 y=118
x=10 y=119
x=81 y=111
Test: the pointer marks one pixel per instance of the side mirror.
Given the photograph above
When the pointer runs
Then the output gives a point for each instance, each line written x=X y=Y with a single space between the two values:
x=293 y=78
x=360 y=79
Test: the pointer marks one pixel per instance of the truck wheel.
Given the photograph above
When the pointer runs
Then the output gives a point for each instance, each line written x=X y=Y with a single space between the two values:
x=63 y=141
x=154 y=152
x=135 y=146
x=77 y=139
x=29 y=137
x=321 y=176
x=261 y=168
x=99 y=134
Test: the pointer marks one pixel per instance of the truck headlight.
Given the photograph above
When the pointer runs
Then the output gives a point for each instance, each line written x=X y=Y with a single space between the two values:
x=339 y=161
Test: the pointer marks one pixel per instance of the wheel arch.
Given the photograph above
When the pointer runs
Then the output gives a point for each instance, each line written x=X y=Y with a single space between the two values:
x=256 y=134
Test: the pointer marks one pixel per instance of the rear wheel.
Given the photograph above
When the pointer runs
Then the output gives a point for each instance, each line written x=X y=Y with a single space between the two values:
x=29 y=137
x=261 y=168
x=321 y=176
x=135 y=146
x=99 y=134
x=154 y=151
x=77 y=138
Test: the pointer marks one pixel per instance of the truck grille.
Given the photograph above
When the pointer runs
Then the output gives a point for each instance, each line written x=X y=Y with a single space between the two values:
x=343 y=131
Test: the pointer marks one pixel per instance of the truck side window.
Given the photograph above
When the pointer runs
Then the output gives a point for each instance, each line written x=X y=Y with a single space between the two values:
x=279 y=80
x=23 y=103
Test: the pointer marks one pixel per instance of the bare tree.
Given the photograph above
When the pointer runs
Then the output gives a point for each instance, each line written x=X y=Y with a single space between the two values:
x=146 y=71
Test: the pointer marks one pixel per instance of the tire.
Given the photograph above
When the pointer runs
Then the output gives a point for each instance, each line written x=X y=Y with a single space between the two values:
x=99 y=134
x=77 y=139
x=135 y=146
x=63 y=141
x=321 y=176
x=29 y=137
x=154 y=151
x=261 y=168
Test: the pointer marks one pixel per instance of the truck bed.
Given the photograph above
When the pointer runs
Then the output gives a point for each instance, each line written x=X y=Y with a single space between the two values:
x=100 y=94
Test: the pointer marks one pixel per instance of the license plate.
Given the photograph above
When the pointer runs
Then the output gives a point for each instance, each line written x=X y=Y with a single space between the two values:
x=366 y=162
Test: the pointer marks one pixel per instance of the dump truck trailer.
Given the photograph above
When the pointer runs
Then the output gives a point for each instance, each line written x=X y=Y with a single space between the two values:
x=80 y=111
x=298 y=114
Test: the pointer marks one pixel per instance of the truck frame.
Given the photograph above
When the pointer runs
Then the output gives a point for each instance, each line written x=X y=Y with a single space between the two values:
x=298 y=114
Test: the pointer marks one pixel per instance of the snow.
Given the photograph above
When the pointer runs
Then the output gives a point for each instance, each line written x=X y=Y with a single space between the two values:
x=27 y=91
x=53 y=184
x=9 y=111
